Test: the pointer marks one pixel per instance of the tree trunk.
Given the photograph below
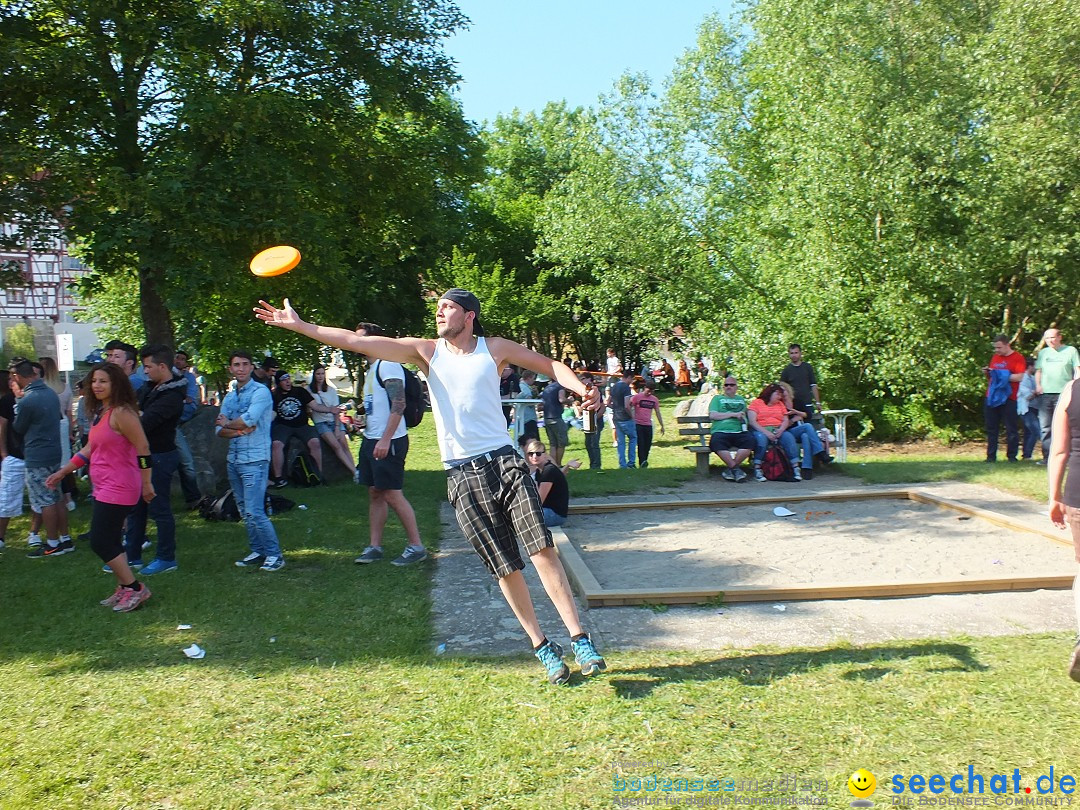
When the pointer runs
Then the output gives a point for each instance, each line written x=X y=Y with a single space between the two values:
x=155 y=315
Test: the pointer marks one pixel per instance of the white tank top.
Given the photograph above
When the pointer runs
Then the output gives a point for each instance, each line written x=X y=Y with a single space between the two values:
x=465 y=402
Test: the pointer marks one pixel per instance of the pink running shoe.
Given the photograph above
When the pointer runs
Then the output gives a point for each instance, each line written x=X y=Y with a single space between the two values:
x=129 y=599
x=112 y=600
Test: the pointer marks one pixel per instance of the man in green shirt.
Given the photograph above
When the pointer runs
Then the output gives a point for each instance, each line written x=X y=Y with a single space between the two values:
x=731 y=439
x=1054 y=367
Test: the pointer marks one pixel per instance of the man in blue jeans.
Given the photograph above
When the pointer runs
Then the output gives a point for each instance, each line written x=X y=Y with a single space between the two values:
x=625 y=430
x=245 y=418
x=161 y=401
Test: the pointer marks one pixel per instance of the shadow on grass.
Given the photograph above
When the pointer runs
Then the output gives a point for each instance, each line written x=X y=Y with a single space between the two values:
x=763 y=669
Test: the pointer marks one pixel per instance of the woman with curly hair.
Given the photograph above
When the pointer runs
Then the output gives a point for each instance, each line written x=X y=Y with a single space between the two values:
x=121 y=457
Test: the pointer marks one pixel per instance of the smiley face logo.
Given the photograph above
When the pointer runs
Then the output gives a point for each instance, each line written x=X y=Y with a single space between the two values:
x=862 y=783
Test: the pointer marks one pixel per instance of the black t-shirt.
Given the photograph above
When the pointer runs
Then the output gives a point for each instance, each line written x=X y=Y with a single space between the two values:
x=558 y=499
x=508 y=386
x=619 y=392
x=552 y=407
x=291 y=407
x=14 y=440
x=800 y=378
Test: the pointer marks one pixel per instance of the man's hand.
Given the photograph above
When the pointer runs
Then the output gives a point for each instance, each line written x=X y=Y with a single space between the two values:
x=591 y=399
x=382 y=449
x=285 y=317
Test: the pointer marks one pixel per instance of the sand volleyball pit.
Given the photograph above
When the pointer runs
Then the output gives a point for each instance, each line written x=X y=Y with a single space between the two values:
x=834 y=546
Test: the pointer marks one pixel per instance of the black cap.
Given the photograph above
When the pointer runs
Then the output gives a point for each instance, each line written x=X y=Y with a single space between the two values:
x=270 y=363
x=468 y=302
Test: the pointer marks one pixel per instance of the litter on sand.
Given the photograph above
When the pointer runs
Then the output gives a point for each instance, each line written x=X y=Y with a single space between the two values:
x=781 y=511
x=183 y=627
x=781 y=608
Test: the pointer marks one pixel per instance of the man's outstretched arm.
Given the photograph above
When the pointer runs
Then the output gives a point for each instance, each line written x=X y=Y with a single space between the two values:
x=397 y=350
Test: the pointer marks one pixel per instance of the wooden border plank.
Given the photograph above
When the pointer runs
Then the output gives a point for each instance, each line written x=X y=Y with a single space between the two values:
x=589 y=588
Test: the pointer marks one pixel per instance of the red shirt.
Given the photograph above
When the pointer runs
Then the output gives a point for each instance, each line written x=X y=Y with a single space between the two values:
x=1015 y=363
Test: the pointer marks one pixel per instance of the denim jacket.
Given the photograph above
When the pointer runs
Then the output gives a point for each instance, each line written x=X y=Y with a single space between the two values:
x=254 y=404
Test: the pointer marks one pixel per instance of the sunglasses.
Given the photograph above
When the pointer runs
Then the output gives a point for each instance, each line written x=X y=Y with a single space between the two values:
x=536 y=452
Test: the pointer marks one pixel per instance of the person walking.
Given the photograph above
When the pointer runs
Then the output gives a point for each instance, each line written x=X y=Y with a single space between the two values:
x=643 y=405
x=488 y=483
x=122 y=469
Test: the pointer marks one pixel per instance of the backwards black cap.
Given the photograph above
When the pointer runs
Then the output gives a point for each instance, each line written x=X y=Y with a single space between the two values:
x=468 y=302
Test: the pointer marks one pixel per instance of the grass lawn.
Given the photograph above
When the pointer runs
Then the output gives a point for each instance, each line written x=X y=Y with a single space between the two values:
x=320 y=687
x=892 y=464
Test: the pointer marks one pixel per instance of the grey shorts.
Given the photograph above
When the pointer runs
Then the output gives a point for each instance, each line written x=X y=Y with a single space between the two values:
x=558 y=434
x=40 y=495
x=327 y=427
x=498 y=507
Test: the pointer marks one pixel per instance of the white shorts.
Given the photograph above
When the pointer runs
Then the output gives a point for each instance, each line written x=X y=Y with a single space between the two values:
x=12 y=485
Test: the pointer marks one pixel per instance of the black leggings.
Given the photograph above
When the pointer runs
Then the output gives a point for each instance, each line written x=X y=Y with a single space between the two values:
x=107 y=529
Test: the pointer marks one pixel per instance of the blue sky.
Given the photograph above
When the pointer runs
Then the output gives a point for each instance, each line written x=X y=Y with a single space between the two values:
x=524 y=53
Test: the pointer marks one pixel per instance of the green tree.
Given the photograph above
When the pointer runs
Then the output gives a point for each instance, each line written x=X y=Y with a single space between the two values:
x=187 y=135
x=887 y=183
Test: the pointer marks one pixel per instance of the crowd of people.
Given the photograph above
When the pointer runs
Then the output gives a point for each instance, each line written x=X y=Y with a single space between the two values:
x=123 y=420
x=1023 y=390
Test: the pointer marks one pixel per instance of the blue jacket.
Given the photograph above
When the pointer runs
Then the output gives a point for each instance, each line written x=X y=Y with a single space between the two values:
x=1000 y=387
x=255 y=405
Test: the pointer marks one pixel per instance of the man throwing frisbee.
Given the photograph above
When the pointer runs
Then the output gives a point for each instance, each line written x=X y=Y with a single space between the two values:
x=489 y=485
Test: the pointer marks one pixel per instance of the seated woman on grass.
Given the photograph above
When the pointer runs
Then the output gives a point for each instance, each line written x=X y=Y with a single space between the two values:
x=768 y=417
x=550 y=482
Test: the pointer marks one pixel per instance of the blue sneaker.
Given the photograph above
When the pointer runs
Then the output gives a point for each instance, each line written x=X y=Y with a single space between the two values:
x=272 y=564
x=587 y=657
x=135 y=565
x=550 y=655
x=159 y=567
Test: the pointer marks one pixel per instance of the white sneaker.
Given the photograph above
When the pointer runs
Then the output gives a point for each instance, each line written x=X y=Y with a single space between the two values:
x=740 y=476
x=71 y=506
x=33 y=541
x=759 y=475
x=798 y=474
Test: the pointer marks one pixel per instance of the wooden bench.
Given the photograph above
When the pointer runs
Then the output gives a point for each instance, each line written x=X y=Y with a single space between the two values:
x=700 y=427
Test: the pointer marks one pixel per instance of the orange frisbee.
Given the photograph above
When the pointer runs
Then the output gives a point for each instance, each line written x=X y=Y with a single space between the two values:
x=275 y=260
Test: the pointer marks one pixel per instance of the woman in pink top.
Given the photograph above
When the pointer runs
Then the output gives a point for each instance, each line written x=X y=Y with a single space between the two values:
x=121 y=473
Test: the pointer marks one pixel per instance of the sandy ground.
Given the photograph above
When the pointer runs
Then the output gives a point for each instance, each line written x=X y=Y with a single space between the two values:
x=472 y=618
x=825 y=542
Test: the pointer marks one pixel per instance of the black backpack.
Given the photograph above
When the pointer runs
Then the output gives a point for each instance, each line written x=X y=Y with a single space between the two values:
x=224 y=508
x=303 y=472
x=414 y=396
x=776 y=466
x=220 y=508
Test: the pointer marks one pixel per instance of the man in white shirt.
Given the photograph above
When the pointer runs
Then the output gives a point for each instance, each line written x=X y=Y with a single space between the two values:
x=381 y=463
x=488 y=483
